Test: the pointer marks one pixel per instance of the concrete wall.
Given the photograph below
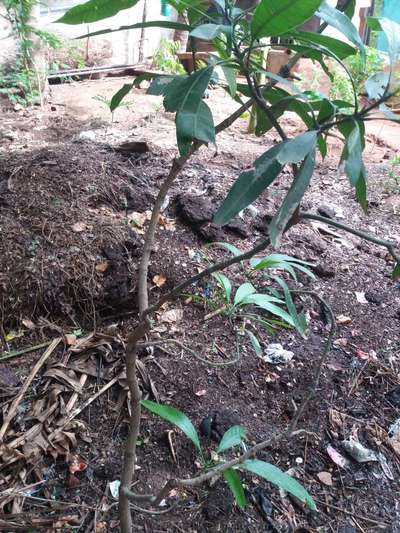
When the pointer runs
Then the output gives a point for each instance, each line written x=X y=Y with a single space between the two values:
x=8 y=46
x=124 y=44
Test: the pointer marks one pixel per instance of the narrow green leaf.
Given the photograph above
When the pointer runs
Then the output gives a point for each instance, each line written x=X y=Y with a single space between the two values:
x=255 y=343
x=361 y=190
x=194 y=124
x=396 y=272
x=166 y=24
x=243 y=291
x=159 y=84
x=119 y=96
x=389 y=113
x=225 y=283
x=339 y=48
x=95 y=10
x=282 y=480
x=230 y=77
x=249 y=185
x=233 y=437
x=341 y=22
x=391 y=30
x=298 y=319
x=264 y=301
x=293 y=198
x=193 y=117
x=235 y=484
x=185 y=92
x=208 y=32
x=298 y=148
x=176 y=417
x=377 y=84
x=276 y=17
x=350 y=9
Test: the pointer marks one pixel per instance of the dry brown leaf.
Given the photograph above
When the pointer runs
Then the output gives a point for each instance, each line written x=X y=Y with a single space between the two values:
x=102 y=267
x=325 y=478
x=76 y=464
x=172 y=316
x=343 y=320
x=101 y=527
x=138 y=219
x=78 y=227
x=159 y=280
x=168 y=224
x=70 y=339
x=28 y=323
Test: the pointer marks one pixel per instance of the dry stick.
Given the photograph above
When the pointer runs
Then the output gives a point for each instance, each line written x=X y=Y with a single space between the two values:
x=344 y=511
x=14 y=406
x=390 y=246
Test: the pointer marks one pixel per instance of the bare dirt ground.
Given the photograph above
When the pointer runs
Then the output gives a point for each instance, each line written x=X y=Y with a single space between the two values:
x=73 y=210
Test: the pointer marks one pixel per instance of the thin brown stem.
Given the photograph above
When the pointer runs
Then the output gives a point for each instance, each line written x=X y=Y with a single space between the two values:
x=390 y=246
x=129 y=465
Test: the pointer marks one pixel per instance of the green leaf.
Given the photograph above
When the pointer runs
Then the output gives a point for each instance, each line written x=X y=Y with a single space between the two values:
x=235 y=484
x=272 y=18
x=282 y=480
x=230 y=77
x=353 y=154
x=292 y=200
x=377 y=84
x=208 y=32
x=396 y=272
x=322 y=146
x=391 y=30
x=193 y=117
x=383 y=108
x=243 y=291
x=361 y=190
x=95 y=10
x=119 y=96
x=159 y=84
x=186 y=92
x=350 y=9
x=249 y=185
x=166 y=24
x=299 y=320
x=341 y=22
x=339 y=48
x=255 y=343
x=296 y=149
x=176 y=417
x=266 y=302
x=224 y=282
x=233 y=437
x=194 y=124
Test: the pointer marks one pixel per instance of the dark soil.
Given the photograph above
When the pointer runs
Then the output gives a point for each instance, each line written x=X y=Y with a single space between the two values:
x=72 y=217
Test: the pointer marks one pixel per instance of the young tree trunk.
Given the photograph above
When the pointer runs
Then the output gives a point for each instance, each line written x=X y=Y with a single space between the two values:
x=37 y=57
x=143 y=33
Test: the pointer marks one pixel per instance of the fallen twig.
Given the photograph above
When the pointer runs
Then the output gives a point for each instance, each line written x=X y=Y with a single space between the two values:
x=349 y=513
x=10 y=355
